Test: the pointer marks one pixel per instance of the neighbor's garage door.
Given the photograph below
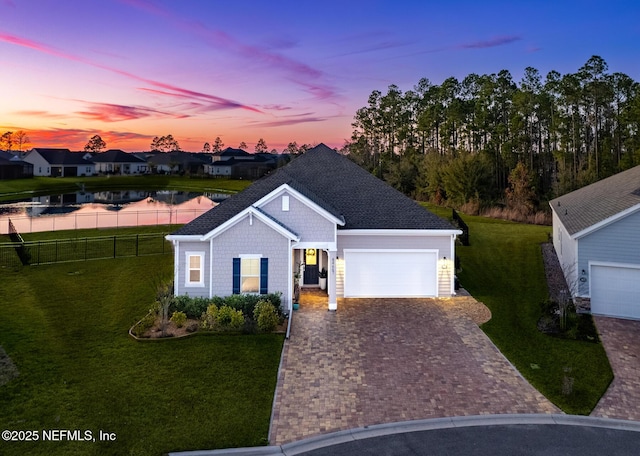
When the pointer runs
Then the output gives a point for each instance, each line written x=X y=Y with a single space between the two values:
x=390 y=273
x=615 y=291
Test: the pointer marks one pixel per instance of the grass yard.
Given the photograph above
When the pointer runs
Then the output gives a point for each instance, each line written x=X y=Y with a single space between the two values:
x=65 y=328
x=503 y=268
x=25 y=188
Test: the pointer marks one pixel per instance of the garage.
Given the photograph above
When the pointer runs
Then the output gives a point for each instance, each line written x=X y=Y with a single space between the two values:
x=390 y=273
x=615 y=290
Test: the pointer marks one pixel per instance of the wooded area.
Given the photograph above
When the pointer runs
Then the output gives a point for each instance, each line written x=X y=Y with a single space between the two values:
x=488 y=141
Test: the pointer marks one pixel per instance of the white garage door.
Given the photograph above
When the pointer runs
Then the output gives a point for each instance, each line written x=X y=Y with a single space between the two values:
x=390 y=273
x=615 y=291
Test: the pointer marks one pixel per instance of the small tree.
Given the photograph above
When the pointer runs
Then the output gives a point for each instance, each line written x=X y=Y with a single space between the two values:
x=206 y=148
x=292 y=148
x=243 y=145
x=21 y=139
x=164 y=295
x=218 y=145
x=261 y=146
x=6 y=141
x=521 y=196
x=95 y=144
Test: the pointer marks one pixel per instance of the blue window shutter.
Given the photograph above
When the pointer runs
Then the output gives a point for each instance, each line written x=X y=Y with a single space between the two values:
x=264 y=275
x=236 y=276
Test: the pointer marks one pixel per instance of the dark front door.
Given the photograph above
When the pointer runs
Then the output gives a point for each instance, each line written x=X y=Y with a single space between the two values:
x=311 y=267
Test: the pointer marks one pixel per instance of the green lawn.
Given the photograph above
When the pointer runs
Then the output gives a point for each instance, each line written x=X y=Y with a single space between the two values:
x=65 y=327
x=503 y=268
x=25 y=188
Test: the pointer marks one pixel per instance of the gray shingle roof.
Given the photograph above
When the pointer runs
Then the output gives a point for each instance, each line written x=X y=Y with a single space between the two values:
x=337 y=185
x=599 y=201
x=63 y=157
x=116 y=156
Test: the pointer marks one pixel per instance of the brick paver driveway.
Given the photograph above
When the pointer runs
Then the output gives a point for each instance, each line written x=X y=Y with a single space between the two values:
x=385 y=360
x=621 y=340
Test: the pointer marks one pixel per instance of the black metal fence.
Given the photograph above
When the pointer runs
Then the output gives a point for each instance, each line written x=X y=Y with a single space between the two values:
x=13 y=254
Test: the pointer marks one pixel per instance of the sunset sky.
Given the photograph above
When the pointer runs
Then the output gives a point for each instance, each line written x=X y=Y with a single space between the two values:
x=284 y=71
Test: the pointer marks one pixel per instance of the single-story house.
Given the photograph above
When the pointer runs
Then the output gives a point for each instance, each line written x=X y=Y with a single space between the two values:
x=229 y=153
x=596 y=235
x=177 y=162
x=116 y=161
x=60 y=162
x=13 y=167
x=320 y=211
x=254 y=167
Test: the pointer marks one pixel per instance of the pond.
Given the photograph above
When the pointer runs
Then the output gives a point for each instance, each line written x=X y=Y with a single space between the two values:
x=105 y=209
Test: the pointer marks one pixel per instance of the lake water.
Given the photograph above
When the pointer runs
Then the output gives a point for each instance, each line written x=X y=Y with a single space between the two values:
x=107 y=209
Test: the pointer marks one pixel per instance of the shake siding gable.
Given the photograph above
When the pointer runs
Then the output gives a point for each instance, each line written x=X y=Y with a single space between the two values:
x=300 y=218
x=180 y=284
x=250 y=236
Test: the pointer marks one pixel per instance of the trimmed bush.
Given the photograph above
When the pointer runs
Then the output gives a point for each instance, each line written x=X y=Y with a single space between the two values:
x=229 y=318
x=192 y=307
x=179 y=318
x=210 y=317
x=266 y=316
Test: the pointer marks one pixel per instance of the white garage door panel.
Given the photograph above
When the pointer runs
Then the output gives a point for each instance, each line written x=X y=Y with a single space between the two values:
x=390 y=273
x=615 y=291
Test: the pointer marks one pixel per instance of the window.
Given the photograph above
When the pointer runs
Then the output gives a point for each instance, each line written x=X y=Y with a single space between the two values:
x=285 y=203
x=249 y=275
x=195 y=269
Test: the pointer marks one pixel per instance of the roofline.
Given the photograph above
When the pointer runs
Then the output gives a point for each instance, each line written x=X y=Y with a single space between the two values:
x=252 y=211
x=183 y=237
x=603 y=223
x=399 y=232
x=316 y=207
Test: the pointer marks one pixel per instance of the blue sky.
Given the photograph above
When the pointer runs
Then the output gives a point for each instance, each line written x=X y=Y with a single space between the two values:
x=284 y=71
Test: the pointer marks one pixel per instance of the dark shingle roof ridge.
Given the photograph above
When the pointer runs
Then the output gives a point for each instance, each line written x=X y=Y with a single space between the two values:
x=601 y=200
x=310 y=194
x=275 y=220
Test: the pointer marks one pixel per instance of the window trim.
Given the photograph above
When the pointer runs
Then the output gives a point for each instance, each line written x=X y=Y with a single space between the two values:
x=258 y=276
x=188 y=269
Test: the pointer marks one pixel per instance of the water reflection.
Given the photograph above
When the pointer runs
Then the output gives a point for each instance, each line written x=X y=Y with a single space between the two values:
x=105 y=209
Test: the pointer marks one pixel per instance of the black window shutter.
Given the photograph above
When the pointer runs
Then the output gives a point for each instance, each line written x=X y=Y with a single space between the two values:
x=236 y=276
x=264 y=275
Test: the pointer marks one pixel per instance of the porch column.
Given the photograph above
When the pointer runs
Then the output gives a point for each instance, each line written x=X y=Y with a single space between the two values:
x=331 y=281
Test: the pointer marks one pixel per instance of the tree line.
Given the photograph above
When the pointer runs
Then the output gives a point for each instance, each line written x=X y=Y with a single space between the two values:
x=486 y=138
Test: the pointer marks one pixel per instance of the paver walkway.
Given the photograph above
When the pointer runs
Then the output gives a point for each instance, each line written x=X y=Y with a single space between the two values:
x=386 y=360
x=621 y=340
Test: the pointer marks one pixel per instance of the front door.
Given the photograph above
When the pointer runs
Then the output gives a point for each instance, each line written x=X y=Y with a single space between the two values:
x=311 y=267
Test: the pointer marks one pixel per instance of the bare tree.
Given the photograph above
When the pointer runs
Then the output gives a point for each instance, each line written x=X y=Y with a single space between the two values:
x=21 y=139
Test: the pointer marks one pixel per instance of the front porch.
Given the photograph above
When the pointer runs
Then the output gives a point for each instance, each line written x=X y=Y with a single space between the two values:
x=313 y=268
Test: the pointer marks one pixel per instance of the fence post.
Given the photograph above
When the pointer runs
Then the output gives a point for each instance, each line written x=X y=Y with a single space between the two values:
x=137 y=239
x=86 y=241
x=56 y=248
x=114 y=246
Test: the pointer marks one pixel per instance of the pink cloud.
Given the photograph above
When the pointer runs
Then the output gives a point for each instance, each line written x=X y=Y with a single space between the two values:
x=289 y=121
x=108 y=112
x=219 y=39
x=492 y=42
x=172 y=90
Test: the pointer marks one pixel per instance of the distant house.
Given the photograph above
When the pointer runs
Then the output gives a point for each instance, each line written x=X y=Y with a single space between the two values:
x=13 y=167
x=60 y=163
x=238 y=164
x=177 y=162
x=596 y=235
x=116 y=161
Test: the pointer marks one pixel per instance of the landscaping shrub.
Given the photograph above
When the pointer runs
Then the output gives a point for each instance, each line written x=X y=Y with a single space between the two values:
x=144 y=325
x=179 y=318
x=210 y=317
x=266 y=316
x=192 y=307
x=229 y=318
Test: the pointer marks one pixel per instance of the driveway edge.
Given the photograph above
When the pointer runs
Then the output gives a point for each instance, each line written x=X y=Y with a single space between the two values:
x=378 y=430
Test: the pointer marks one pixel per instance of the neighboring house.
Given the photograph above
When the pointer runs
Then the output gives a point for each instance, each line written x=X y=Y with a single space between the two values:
x=116 y=161
x=177 y=162
x=12 y=167
x=253 y=168
x=229 y=153
x=596 y=235
x=60 y=162
x=321 y=211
